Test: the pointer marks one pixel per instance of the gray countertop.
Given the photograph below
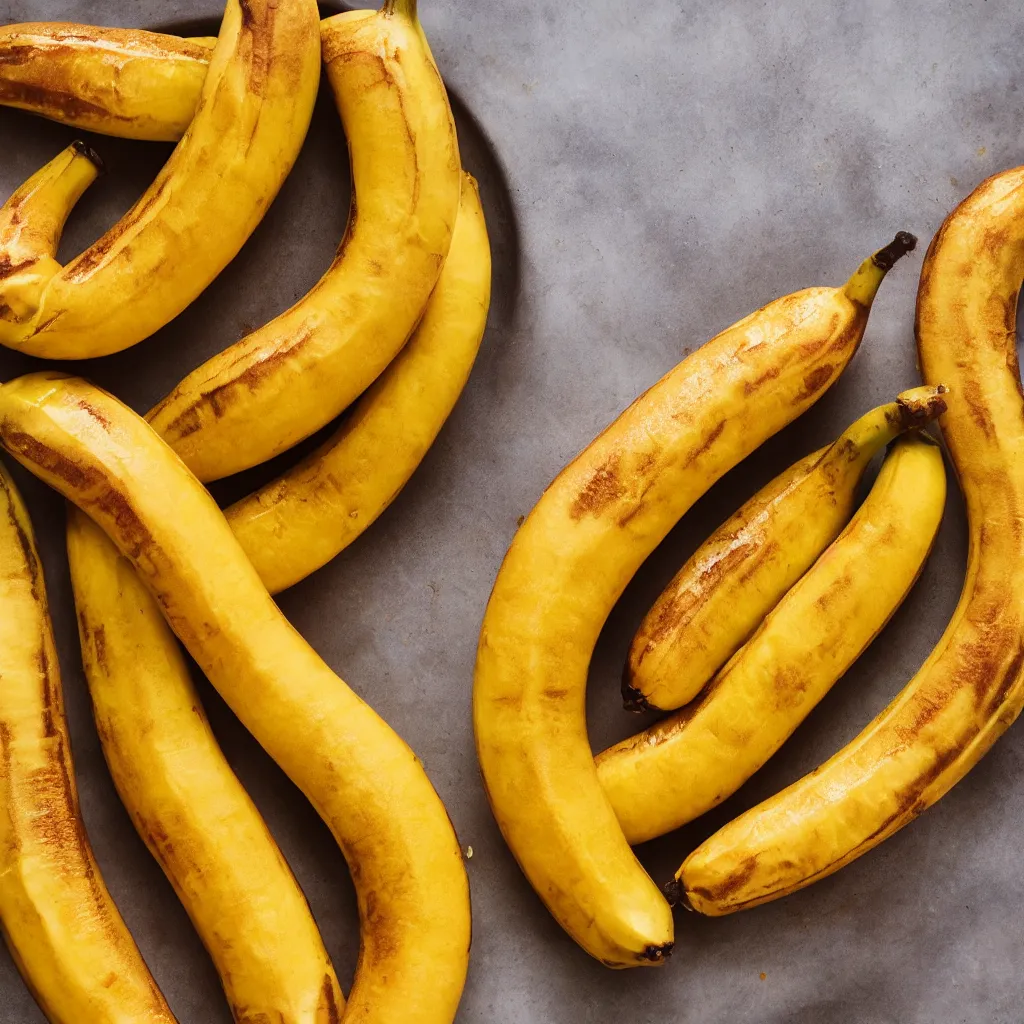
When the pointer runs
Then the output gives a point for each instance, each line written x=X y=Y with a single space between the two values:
x=651 y=172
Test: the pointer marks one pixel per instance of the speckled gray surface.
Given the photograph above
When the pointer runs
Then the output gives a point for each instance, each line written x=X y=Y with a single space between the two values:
x=670 y=166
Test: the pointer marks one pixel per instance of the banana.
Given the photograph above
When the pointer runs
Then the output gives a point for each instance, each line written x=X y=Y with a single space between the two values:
x=365 y=782
x=300 y=521
x=721 y=595
x=971 y=687
x=293 y=376
x=572 y=558
x=254 y=110
x=115 y=81
x=186 y=803
x=32 y=220
x=690 y=762
x=64 y=932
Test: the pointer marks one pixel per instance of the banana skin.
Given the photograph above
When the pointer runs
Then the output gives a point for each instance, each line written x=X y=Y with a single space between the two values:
x=571 y=559
x=113 y=81
x=252 y=117
x=66 y=936
x=282 y=383
x=735 y=578
x=971 y=687
x=186 y=803
x=300 y=521
x=368 y=786
x=691 y=761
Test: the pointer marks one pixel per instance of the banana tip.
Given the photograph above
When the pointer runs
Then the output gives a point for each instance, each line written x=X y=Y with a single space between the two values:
x=657 y=954
x=84 y=149
x=924 y=408
x=885 y=259
x=632 y=699
x=675 y=893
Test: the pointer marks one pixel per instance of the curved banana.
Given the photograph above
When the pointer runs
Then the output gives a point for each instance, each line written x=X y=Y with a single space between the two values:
x=256 y=105
x=64 y=932
x=572 y=558
x=362 y=778
x=187 y=804
x=299 y=522
x=32 y=220
x=285 y=381
x=691 y=761
x=971 y=687
x=115 y=81
x=734 y=579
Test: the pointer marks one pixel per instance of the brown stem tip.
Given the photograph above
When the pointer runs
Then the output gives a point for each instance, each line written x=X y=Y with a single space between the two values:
x=675 y=893
x=920 y=409
x=885 y=259
x=657 y=954
x=632 y=699
x=84 y=149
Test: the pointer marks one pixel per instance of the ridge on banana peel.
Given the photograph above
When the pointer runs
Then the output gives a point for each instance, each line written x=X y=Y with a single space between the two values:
x=688 y=763
x=66 y=936
x=971 y=687
x=365 y=782
x=115 y=81
x=186 y=803
x=288 y=379
x=256 y=105
x=717 y=600
x=571 y=559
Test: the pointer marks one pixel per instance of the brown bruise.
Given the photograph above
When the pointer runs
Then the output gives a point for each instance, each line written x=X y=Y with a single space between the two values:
x=55 y=101
x=224 y=397
x=817 y=380
x=733 y=883
x=706 y=445
x=604 y=488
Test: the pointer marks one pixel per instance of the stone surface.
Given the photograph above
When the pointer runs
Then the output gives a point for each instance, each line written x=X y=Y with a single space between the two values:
x=668 y=167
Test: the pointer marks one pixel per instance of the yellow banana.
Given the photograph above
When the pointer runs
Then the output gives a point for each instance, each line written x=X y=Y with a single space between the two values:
x=186 y=803
x=256 y=104
x=971 y=687
x=572 y=558
x=365 y=782
x=300 y=521
x=32 y=220
x=688 y=763
x=721 y=595
x=291 y=377
x=64 y=932
x=116 y=81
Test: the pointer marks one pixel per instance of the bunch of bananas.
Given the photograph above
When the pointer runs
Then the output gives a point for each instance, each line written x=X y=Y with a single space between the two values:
x=391 y=330
x=771 y=610
x=756 y=627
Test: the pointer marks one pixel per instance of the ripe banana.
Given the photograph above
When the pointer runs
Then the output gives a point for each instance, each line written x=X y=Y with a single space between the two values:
x=572 y=558
x=32 y=220
x=971 y=687
x=116 y=81
x=300 y=521
x=64 y=932
x=186 y=803
x=365 y=782
x=690 y=762
x=721 y=595
x=282 y=383
x=256 y=105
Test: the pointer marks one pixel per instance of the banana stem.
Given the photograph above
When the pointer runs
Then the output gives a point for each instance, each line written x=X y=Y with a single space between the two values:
x=403 y=8
x=864 y=284
x=32 y=220
x=865 y=437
